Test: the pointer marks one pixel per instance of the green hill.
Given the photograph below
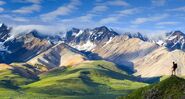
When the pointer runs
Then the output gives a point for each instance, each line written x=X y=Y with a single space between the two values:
x=11 y=81
x=92 y=80
x=170 y=88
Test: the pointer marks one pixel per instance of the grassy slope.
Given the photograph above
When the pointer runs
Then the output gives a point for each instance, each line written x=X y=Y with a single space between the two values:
x=98 y=79
x=92 y=80
x=11 y=81
x=170 y=88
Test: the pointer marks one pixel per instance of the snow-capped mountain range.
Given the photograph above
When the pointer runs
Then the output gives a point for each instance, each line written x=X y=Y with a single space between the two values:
x=87 y=39
x=136 y=35
x=130 y=50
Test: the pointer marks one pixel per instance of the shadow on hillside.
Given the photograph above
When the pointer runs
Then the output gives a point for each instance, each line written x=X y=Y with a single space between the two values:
x=131 y=71
x=149 y=80
x=92 y=56
x=123 y=62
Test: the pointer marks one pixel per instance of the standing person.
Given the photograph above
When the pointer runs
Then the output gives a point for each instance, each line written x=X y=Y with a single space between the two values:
x=174 y=68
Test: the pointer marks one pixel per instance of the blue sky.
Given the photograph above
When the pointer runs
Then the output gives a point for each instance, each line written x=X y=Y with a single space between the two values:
x=147 y=16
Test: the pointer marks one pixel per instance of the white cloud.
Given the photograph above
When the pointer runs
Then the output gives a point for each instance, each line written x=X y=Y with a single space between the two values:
x=1 y=9
x=2 y=2
x=13 y=19
x=99 y=8
x=149 y=19
x=168 y=23
x=61 y=11
x=129 y=11
x=114 y=18
x=86 y=18
x=82 y=21
x=117 y=3
x=150 y=33
x=78 y=20
x=178 y=9
x=28 y=1
x=109 y=20
x=28 y=9
x=113 y=3
x=158 y=2
x=45 y=29
x=20 y=19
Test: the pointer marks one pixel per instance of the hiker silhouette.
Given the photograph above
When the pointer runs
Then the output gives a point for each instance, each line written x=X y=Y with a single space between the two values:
x=174 y=68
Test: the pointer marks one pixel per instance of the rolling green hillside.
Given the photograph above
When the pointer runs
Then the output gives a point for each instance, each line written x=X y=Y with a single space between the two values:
x=92 y=80
x=170 y=88
x=11 y=81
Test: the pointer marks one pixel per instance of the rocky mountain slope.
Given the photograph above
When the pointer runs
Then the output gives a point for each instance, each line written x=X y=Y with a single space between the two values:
x=124 y=50
x=87 y=39
x=175 y=40
x=144 y=59
x=4 y=32
x=23 y=48
x=159 y=63
x=57 y=56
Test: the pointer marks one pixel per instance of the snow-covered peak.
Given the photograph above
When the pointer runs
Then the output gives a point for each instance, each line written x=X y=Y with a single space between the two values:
x=102 y=28
x=94 y=35
x=160 y=42
x=175 y=40
x=88 y=37
x=136 y=35
x=173 y=33
x=1 y=24
x=4 y=32
x=176 y=35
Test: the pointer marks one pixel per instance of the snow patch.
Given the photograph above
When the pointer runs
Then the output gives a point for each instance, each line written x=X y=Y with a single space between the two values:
x=172 y=37
x=160 y=42
x=88 y=46
x=1 y=24
x=79 y=33
x=3 y=48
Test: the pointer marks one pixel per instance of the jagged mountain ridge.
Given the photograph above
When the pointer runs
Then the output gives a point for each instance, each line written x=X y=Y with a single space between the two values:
x=95 y=35
x=175 y=40
x=23 y=47
x=126 y=50
x=87 y=39
x=136 y=35
x=4 y=32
